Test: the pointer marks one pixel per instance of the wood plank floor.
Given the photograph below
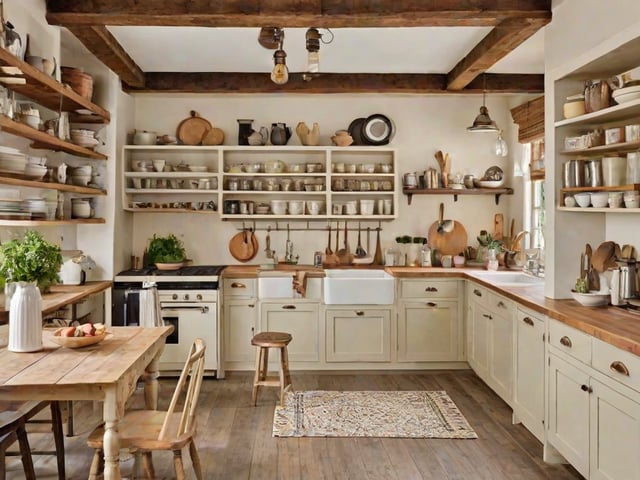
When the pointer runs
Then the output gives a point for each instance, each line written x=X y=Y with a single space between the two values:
x=235 y=441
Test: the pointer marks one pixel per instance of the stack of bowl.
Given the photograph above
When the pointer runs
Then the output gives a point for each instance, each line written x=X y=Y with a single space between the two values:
x=84 y=138
x=36 y=206
x=80 y=208
x=34 y=171
x=81 y=175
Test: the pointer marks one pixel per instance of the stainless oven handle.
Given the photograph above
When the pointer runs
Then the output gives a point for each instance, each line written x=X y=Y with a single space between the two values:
x=204 y=309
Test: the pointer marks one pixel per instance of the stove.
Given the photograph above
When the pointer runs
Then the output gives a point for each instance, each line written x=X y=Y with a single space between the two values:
x=188 y=300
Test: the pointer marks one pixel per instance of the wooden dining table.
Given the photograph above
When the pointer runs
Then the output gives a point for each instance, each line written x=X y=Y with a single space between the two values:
x=107 y=371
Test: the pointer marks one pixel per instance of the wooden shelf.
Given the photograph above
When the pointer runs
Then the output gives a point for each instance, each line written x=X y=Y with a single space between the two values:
x=409 y=192
x=598 y=210
x=168 y=210
x=26 y=80
x=536 y=174
x=46 y=141
x=63 y=187
x=599 y=150
x=45 y=223
x=619 y=112
x=619 y=188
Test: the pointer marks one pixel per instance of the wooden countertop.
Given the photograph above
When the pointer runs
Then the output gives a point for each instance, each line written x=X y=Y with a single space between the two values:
x=61 y=295
x=251 y=271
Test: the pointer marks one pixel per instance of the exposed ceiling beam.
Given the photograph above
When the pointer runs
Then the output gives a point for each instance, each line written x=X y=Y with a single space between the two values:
x=103 y=45
x=503 y=39
x=295 y=13
x=223 y=82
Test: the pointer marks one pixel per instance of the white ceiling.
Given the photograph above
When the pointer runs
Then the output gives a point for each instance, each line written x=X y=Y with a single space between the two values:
x=353 y=50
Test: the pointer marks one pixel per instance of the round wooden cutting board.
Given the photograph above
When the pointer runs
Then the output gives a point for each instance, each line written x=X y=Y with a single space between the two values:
x=192 y=129
x=215 y=136
x=243 y=246
x=449 y=241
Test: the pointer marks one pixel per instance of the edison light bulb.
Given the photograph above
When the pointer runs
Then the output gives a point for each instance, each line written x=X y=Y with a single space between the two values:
x=313 y=62
x=280 y=74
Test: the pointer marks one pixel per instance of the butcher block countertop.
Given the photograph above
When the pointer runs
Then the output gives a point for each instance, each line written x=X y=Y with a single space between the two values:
x=61 y=295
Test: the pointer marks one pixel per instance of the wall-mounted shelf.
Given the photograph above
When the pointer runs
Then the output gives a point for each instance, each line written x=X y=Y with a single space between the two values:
x=598 y=210
x=26 y=80
x=619 y=188
x=497 y=192
x=50 y=223
x=46 y=141
x=599 y=150
x=62 y=187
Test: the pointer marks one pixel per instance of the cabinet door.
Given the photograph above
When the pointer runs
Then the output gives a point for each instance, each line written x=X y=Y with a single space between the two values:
x=501 y=356
x=614 y=434
x=528 y=394
x=240 y=318
x=428 y=331
x=301 y=321
x=478 y=343
x=358 y=335
x=568 y=411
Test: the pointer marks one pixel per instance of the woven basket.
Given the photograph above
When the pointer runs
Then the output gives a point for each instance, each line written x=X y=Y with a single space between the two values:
x=80 y=82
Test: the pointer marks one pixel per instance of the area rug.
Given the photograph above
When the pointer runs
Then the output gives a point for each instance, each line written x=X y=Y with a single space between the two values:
x=401 y=414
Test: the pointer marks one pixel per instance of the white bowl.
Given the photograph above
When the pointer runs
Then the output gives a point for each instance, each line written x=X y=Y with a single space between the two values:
x=591 y=299
x=35 y=171
x=600 y=199
x=81 y=180
x=296 y=207
x=583 y=199
x=279 y=207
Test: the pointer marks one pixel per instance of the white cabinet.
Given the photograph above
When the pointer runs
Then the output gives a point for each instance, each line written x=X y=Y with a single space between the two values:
x=358 y=334
x=528 y=392
x=429 y=321
x=239 y=322
x=491 y=339
x=593 y=411
x=301 y=320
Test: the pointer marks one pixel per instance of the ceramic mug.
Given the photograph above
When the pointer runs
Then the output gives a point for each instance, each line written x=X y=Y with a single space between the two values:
x=446 y=260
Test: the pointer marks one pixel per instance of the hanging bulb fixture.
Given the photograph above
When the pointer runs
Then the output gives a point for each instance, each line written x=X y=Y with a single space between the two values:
x=313 y=48
x=500 y=148
x=280 y=72
x=483 y=122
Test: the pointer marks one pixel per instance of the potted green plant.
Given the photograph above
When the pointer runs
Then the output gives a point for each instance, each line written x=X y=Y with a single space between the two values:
x=31 y=259
x=166 y=250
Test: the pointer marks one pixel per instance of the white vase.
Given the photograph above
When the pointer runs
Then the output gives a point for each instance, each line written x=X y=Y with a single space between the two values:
x=25 y=318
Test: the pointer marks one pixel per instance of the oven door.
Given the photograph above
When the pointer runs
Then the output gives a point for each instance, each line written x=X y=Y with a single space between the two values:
x=190 y=321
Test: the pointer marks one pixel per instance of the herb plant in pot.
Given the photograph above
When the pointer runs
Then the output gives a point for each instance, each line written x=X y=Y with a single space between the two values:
x=167 y=253
x=28 y=266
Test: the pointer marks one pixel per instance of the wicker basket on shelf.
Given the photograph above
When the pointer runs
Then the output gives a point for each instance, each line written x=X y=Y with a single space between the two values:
x=80 y=82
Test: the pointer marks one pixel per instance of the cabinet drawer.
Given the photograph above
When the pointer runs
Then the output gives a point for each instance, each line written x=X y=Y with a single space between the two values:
x=571 y=341
x=423 y=288
x=477 y=294
x=500 y=305
x=239 y=287
x=616 y=363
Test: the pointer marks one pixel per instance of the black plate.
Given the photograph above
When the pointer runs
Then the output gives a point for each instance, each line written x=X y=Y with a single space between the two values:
x=377 y=130
x=355 y=130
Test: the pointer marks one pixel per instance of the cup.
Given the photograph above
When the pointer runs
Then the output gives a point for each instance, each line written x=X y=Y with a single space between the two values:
x=447 y=261
x=388 y=206
x=204 y=184
x=380 y=206
x=158 y=164
x=244 y=208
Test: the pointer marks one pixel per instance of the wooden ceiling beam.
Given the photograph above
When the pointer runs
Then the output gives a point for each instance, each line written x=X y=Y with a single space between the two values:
x=295 y=13
x=503 y=39
x=106 y=48
x=227 y=82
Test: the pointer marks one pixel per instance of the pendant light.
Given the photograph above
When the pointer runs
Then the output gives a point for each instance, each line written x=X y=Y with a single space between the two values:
x=500 y=148
x=483 y=122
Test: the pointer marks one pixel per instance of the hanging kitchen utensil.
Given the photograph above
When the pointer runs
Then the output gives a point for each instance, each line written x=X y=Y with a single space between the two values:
x=444 y=225
x=255 y=246
x=192 y=129
x=447 y=243
x=369 y=239
x=498 y=226
x=344 y=254
x=360 y=252
x=377 y=257
x=267 y=250
x=330 y=258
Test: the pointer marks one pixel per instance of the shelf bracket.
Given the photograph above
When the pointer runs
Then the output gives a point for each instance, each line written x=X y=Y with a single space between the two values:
x=455 y=197
x=409 y=198
x=497 y=197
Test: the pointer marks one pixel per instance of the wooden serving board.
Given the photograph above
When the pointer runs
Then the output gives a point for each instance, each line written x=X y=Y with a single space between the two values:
x=192 y=129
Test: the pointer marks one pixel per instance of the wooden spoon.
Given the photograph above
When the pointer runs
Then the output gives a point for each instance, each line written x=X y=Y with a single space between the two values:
x=603 y=256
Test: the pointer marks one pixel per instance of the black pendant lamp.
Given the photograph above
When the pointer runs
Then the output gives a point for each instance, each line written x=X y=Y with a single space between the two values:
x=483 y=122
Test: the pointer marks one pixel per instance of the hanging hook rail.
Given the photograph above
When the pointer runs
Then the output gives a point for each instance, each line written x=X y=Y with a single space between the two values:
x=284 y=226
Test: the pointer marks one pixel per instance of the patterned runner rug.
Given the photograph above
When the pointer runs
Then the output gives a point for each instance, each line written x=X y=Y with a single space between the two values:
x=402 y=414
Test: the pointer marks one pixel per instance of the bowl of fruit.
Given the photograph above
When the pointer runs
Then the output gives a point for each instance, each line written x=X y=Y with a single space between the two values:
x=80 y=336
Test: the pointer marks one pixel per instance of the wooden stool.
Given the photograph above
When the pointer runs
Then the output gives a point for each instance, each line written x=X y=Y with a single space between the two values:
x=264 y=341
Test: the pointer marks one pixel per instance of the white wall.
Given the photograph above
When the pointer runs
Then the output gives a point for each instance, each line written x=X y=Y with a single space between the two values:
x=424 y=124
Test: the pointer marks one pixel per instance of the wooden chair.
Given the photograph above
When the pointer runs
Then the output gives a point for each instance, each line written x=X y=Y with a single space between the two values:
x=12 y=430
x=29 y=411
x=145 y=431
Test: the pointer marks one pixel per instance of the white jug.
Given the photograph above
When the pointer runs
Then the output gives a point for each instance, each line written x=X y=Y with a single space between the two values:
x=71 y=273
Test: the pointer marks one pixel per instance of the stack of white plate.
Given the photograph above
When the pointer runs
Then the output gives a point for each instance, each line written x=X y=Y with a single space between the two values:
x=626 y=94
x=12 y=162
x=84 y=138
x=11 y=208
x=36 y=206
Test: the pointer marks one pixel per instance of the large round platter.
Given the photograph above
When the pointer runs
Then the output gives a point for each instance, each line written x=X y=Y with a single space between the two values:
x=76 y=342
x=355 y=130
x=377 y=130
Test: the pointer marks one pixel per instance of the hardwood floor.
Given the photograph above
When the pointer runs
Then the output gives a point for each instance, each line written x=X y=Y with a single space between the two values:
x=235 y=442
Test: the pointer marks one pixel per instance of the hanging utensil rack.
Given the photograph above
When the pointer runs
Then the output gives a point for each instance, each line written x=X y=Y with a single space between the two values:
x=284 y=226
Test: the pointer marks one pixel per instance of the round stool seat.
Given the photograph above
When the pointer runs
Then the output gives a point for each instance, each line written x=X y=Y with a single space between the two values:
x=271 y=339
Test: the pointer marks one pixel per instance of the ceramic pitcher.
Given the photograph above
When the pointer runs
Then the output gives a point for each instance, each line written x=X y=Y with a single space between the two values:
x=280 y=133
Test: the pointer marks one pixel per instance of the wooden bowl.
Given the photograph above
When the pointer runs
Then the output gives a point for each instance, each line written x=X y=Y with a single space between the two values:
x=76 y=342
